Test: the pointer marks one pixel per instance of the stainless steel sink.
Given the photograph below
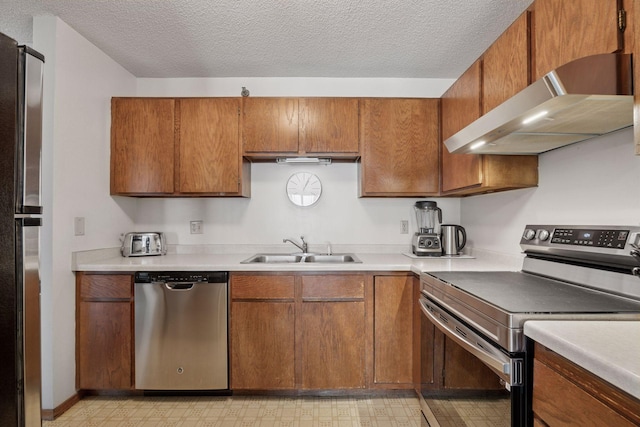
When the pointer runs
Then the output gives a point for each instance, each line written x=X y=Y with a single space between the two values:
x=334 y=258
x=273 y=259
x=302 y=258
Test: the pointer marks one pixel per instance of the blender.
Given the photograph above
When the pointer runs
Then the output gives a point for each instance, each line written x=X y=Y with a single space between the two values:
x=426 y=241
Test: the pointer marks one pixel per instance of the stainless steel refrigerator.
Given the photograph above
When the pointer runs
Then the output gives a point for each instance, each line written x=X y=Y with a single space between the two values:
x=21 y=70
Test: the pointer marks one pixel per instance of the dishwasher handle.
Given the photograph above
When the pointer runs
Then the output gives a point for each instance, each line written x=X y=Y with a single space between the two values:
x=176 y=286
x=179 y=286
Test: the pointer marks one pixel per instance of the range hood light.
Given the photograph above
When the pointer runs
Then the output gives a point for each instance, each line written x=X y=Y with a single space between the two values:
x=476 y=145
x=534 y=117
x=303 y=160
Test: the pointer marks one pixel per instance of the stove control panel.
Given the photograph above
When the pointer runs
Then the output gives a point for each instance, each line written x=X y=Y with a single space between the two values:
x=603 y=239
x=600 y=238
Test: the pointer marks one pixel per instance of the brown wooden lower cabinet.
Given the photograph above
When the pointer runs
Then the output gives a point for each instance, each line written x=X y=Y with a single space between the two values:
x=104 y=332
x=263 y=336
x=393 y=330
x=333 y=345
x=262 y=332
x=566 y=394
x=332 y=340
x=300 y=331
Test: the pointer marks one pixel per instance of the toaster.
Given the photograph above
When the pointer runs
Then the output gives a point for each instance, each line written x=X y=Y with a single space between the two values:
x=143 y=244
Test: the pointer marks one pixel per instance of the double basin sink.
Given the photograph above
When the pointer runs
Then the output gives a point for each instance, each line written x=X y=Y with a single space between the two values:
x=302 y=258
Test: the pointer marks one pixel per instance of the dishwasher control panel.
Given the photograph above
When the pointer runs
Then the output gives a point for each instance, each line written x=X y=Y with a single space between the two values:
x=181 y=276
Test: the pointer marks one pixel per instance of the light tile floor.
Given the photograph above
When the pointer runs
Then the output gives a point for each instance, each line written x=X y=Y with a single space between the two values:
x=242 y=411
x=471 y=412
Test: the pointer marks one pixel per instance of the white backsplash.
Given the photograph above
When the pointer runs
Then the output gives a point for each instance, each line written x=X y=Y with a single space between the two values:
x=339 y=217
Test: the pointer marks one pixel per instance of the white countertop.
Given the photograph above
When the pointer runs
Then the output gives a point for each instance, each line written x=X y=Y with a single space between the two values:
x=608 y=349
x=190 y=260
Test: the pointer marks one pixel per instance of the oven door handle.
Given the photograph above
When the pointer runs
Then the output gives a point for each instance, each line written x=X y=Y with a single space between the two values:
x=508 y=369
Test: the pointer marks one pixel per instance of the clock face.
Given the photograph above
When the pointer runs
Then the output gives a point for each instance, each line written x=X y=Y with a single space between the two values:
x=304 y=188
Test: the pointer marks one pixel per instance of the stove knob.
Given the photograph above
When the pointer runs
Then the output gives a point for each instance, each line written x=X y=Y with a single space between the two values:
x=529 y=234
x=543 y=234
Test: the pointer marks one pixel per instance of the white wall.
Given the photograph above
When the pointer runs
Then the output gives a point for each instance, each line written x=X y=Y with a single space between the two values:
x=595 y=182
x=340 y=217
x=79 y=82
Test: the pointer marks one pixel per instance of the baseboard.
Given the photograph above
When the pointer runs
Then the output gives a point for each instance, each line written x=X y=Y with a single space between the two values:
x=52 y=414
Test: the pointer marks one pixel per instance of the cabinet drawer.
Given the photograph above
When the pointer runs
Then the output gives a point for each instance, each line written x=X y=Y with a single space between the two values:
x=262 y=287
x=576 y=407
x=105 y=286
x=333 y=287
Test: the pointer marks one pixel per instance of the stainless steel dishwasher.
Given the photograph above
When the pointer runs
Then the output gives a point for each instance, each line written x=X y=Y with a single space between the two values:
x=181 y=331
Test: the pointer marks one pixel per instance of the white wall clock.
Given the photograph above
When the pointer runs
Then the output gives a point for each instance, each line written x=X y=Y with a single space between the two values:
x=304 y=189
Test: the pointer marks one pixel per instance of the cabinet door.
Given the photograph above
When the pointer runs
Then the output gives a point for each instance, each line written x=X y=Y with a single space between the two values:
x=332 y=340
x=333 y=345
x=262 y=342
x=104 y=332
x=209 y=160
x=506 y=65
x=567 y=30
x=142 y=146
x=393 y=329
x=399 y=147
x=262 y=332
x=270 y=125
x=461 y=105
x=328 y=125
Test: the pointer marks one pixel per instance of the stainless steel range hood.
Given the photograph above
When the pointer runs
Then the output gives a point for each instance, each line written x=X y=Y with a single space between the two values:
x=585 y=98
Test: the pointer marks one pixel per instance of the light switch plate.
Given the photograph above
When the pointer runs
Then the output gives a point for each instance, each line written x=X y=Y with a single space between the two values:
x=78 y=226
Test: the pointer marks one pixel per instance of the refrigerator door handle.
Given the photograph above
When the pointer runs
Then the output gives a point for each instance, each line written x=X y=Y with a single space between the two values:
x=28 y=175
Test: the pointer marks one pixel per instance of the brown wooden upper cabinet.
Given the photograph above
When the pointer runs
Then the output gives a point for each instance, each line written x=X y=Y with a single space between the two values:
x=500 y=74
x=506 y=64
x=568 y=30
x=142 y=145
x=275 y=127
x=177 y=147
x=399 y=147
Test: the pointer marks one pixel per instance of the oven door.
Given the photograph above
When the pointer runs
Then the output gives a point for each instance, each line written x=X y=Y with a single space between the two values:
x=510 y=368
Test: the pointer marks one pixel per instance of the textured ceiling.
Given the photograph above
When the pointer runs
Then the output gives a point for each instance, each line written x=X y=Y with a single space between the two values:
x=285 y=38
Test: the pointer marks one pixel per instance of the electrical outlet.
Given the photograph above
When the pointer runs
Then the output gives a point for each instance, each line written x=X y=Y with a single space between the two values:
x=404 y=226
x=196 y=227
x=78 y=226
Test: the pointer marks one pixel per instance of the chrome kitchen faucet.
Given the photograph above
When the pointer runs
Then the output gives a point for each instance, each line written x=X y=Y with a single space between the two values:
x=303 y=247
